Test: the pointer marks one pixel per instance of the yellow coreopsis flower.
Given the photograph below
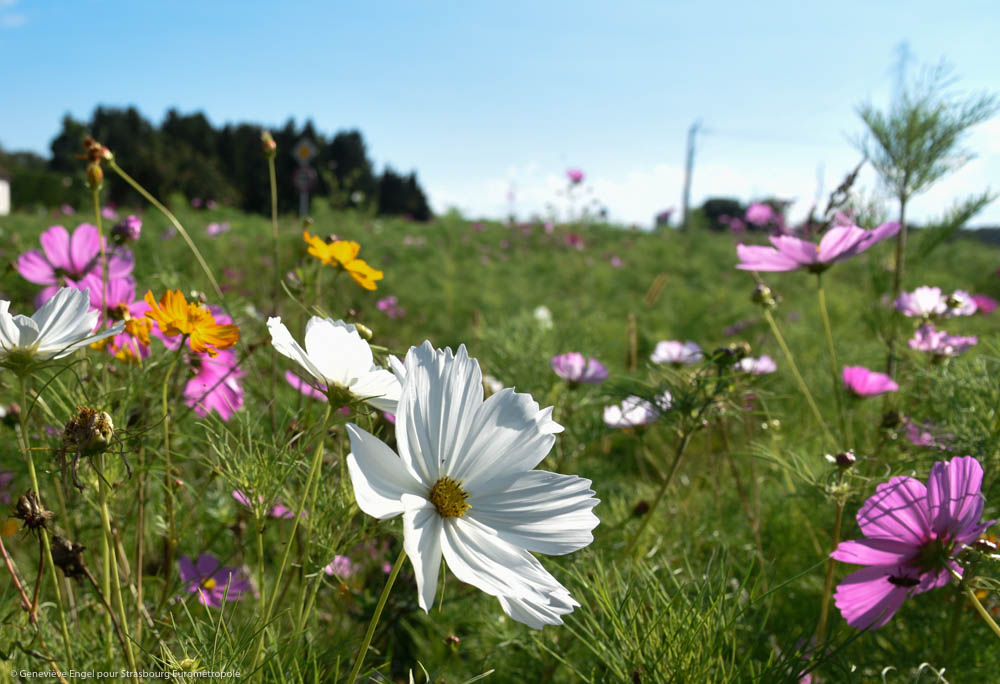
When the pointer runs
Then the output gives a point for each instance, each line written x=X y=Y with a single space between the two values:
x=343 y=254
x=176 y=316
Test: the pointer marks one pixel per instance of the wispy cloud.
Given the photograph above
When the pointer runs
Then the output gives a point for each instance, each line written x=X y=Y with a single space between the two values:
x=12 y=21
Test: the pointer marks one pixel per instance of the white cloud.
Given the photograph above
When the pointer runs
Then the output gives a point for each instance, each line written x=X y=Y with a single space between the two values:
x=10 y=21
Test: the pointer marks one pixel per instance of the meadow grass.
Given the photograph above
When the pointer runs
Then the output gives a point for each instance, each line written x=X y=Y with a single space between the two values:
x=726 y=581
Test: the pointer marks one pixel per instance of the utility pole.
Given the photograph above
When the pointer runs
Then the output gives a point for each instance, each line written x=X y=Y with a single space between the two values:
x=688 y=170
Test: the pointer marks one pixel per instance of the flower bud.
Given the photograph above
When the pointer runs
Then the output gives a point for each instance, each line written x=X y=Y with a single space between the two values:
x=95 y=176
x=267 y=145
x=843 y=460
x=68 y=556
x=89 y=432
x=127 y=230
x=763 y=296
x=364 y=330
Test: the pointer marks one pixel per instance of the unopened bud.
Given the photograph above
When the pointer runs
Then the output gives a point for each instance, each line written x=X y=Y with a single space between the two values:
x=364 y=330
x=267 y=144
x=88 y=432
x=95 y=176
x=452 y=640
x=68 y=556
x=843 y=460
x=763 y=296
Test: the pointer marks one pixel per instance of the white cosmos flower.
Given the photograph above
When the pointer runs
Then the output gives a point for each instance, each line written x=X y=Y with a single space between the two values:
x=336 y=355
x=674 y=351
x=62 y=325
x=465 y=485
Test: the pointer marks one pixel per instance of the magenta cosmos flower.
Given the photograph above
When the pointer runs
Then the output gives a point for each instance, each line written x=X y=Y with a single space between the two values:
x=215 y=385
x=929 y=339
x=865 y=383
x=212 y=583
x=65 y=260
x=912 y=535
x=313 y=391
x=791 y=253
x=677 y=353
x=575 y=367
x=276 y=511
x=984 y=303
x=342 y=567
x=759 y=214
x=575 y=176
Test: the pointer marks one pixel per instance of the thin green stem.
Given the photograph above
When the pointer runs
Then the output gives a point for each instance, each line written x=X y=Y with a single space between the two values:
x=798 y=377
x=971 y=595
x=313 y=471
x=168 y=491
x=833 y=355
x=274 y=226
x=104 y=256
x=174 y=222
x=374 y=621
x=44 y=533
x=824 y=610
x=109 y=542
x=681 y=448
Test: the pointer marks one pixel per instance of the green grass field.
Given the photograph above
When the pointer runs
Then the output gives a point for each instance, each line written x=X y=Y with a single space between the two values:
x=726 y=580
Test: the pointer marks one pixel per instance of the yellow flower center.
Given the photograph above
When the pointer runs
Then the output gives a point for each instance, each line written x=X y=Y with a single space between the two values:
x=449 y=498
x=209 y=583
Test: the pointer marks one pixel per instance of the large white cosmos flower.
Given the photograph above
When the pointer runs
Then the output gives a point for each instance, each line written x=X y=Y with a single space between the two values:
x=465 y=486
x=62 y=325
x=336 y=355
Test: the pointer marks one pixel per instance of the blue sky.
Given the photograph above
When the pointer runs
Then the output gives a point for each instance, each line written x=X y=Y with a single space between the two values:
x=481 y=98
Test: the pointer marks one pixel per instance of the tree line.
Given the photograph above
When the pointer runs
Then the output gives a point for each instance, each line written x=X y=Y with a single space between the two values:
x=187 y=154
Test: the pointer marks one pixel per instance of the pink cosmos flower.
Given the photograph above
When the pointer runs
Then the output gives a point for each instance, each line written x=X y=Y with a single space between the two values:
x=121 y=305
x=765 y=364
x=635 y=411
x=759 y=214
x=196 y=202
x=65 y=260
x=215 y=385
x=278 y=510
x=790 y=253
x=922 y=434
x=549 y=227
x=929 y=339
x=912 y=534
x=478 y=226
x=212 y=583
x=390 y=307
x=214 y=229
x=67 y=210
x=676 y=352
x=317 y=391
x=109 y=213
x=616 y=261
x=865 y=383
x=575 y=176
x=127 y=230
x=575 y=367
x=960 y=303
x=342 y=567
x=923 y=302
x=574 y=240
x=984 y=303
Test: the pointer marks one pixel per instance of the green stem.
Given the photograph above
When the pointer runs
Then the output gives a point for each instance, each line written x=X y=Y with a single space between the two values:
x=833 y=354
x=798 y=377
x=174 y=222
x=374 y=621
x=824 y=610
x=168 y=490
x=274 y=226
x=681 y=448
x=313 y=471
x=983 y=613
x=44 y=533
x=104 y=257
x=109 y=541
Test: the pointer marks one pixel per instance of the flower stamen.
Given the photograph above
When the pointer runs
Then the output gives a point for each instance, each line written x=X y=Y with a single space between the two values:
x=449 y=498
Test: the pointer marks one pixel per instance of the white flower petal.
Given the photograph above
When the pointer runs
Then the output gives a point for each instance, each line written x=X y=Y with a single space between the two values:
x=378 y=476
x=10 y=334
x=337 y=350
x=397 y=367
x=61 y=316
x=540 y=511
x=536 y=615
x=59 y=350
x=478 y=557
x=283 y=341
x=379 y=388
x=422 y=541
x=509 y=434
x=440 y=396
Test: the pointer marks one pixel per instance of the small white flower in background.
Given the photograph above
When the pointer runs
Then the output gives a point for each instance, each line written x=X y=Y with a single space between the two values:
x=465 y=484
x=673 y=351
x=635 y=411
x=62 y=325
x=960 y=303
x=336 y=355
x=758 y=366
x=544 y=317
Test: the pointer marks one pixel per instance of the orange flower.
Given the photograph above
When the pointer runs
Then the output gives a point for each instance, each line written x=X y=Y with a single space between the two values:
x=343 y=254
x=176 y=316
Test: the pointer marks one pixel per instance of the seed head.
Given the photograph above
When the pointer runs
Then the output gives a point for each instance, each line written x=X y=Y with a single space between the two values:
x=68 y=556
x=89 y=432
x=30 y=510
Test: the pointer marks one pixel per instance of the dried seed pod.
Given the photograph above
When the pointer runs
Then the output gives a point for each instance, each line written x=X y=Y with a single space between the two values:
x=68 y=556
x=30 y=510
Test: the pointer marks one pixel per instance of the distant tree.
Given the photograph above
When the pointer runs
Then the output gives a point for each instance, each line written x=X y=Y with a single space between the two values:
x=346 y=159
x=401 y=196
x=715 y=208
